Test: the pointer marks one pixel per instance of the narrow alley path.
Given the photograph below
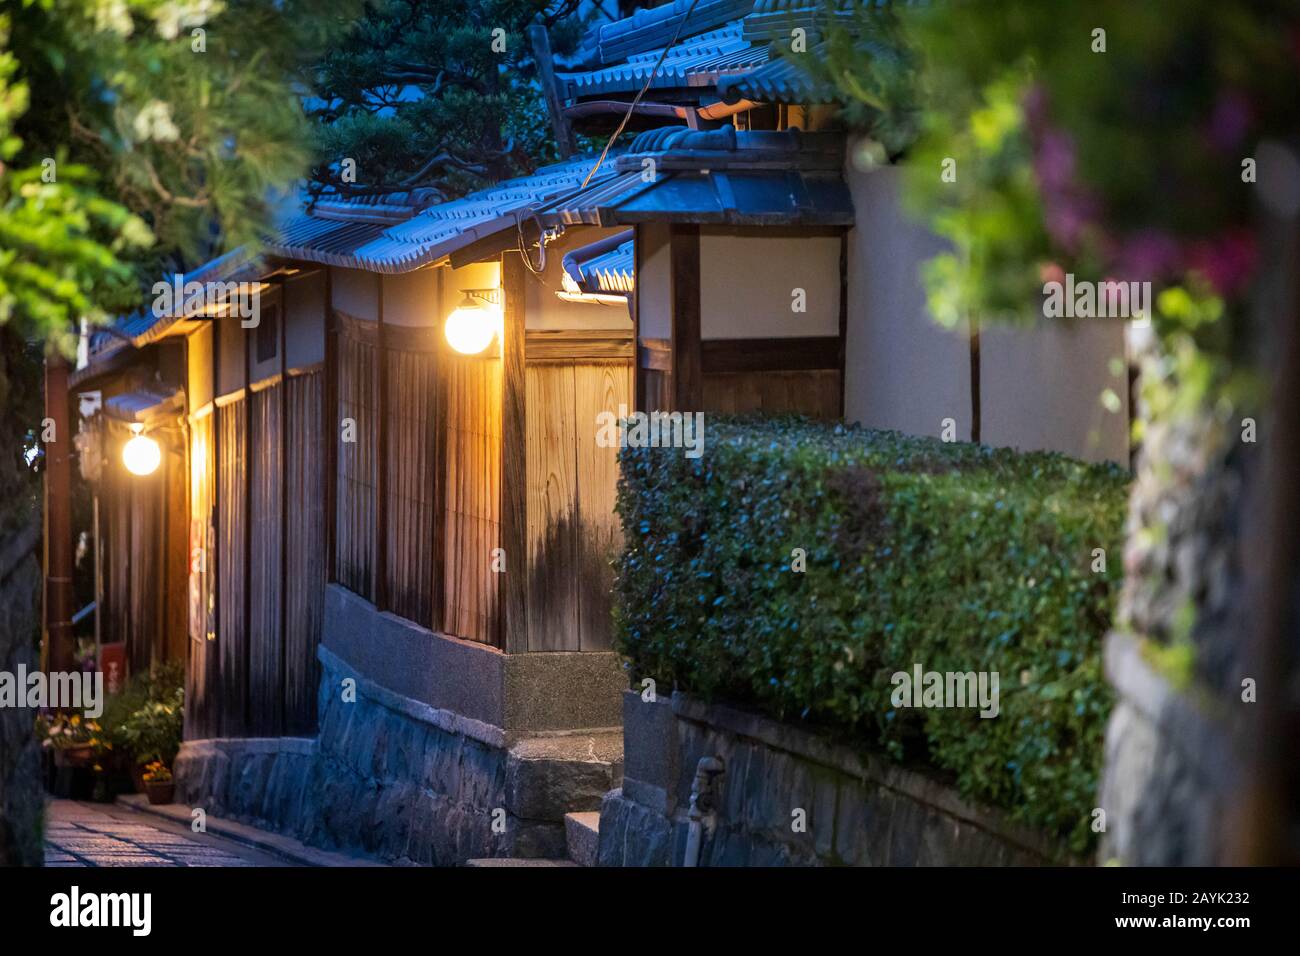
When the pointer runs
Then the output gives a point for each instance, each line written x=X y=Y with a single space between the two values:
x=94 y=834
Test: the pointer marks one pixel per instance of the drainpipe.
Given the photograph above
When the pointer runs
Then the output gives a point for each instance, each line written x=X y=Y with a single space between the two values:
x=704 y=802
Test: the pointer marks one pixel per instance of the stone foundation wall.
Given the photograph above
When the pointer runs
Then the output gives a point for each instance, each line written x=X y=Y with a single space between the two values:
x=1171 y=784
x=401 y=780
x=788 y=797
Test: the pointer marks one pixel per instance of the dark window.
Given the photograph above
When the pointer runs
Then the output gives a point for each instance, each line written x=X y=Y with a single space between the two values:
x=268 y=334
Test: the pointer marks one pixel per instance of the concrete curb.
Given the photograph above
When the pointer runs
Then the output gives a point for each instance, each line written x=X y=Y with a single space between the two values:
x=295 y=851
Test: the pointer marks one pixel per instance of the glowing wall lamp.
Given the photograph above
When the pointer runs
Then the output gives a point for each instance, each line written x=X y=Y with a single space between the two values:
x=475 y=322
x=141 y=454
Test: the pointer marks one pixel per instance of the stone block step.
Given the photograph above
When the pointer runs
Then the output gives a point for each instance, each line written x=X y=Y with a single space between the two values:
x=582 y=836
x=512 y=861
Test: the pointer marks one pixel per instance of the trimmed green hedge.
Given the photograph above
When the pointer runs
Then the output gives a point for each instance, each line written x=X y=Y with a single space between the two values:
x=954 y=556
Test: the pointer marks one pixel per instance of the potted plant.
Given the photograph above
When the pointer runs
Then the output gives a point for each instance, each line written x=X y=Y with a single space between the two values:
x=79 y=750
x=158 y=783
x=152 y=732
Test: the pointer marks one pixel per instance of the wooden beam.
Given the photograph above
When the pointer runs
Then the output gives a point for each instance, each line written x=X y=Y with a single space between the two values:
x=771 y=354
x=541 y=42
x=578 y=345
x=512 y=606
x=687 y=385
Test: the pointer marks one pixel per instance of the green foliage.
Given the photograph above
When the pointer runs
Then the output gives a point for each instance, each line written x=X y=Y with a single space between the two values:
x=1104 y=156
x=955 y=556
x=418 y=97
x=145 y=719
x=60 y=242
x=192 y=113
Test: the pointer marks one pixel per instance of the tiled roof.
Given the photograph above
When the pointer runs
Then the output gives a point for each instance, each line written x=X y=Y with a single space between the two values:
x=730 y=44
x=605 y=266
x=654 y=29
x=143 y=326
x=434 y=233
x=778 y=81
x=718 y=176
x=361 y=243
x=695 y=62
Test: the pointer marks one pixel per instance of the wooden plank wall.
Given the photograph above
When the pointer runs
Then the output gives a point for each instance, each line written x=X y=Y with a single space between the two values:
x=358 y=477
x=146 y=585
x=116 y=505
x=265 y=515
x=571 y=484
x=171 y=640
x=814 y=392
x=199 y=708
x=412 y=378
x=472 y=519
x=232 y=512
x=305 y=561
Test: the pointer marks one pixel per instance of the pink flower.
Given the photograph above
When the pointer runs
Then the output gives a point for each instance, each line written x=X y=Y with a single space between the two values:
x=1229 y=121
x=1227 y=261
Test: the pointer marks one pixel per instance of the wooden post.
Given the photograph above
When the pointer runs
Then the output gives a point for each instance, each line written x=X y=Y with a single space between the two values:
x=688 y=385
x=282 y=710
x=634 y=306
x=380 y=585
x=330 y=427
x=550 y=88
x=248 y=340
x=439 y=475
x=844 y=312
x=212 y=648
x=974 y=380
x=512 y=586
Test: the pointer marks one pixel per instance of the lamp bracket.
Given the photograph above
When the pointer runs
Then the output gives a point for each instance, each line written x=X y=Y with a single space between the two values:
x=491 y=296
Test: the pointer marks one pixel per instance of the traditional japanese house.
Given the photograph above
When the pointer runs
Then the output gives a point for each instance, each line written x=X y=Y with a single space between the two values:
x=743 y=146
x=397 y=496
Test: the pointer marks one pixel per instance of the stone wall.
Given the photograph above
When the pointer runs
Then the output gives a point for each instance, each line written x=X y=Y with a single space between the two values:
x=398 y=779
x=21 y=800
x=854 y=809
x=1172 y=778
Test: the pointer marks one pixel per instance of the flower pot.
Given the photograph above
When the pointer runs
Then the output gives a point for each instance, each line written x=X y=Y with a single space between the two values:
x=160 y=793
x=74 y=756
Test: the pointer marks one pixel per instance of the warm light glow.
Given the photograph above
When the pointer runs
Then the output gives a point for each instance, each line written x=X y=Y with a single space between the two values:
x=141 y=454
x=471 y=327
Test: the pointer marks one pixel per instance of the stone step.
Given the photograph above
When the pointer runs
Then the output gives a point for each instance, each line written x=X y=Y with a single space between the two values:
x=513 y=861
x=582 y=836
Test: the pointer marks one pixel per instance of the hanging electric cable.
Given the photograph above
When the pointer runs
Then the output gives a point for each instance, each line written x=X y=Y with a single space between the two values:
x=663 y=55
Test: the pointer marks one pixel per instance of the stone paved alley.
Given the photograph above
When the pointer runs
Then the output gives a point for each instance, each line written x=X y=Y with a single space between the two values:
x=91 y=834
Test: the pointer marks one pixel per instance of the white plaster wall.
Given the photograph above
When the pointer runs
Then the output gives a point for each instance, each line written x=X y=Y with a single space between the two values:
x=304 y=308
x=654 y=282
x=414 y=298
x=902 y=371
x=356 y=293
x=476 y=275
x=544 y=310
x=198 y=354
x=1041 y=388
x=230 y=340
x=748 y=282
